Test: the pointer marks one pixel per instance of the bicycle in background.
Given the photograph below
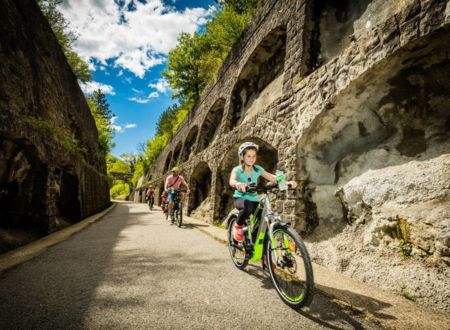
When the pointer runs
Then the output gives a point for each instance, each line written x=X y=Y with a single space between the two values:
x=177 y=210
x=151 y=201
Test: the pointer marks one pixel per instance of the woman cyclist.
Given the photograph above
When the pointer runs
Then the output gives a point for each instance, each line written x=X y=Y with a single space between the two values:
x=248 y=172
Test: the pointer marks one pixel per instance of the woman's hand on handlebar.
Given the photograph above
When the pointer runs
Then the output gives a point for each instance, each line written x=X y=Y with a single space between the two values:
x=240 y=186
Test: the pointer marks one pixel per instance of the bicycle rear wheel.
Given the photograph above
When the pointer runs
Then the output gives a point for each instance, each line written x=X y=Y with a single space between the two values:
x=290 y=267
x=179 y=216
x=237 y=249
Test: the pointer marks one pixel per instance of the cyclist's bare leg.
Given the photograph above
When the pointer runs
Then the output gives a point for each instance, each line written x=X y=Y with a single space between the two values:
x=170 y=208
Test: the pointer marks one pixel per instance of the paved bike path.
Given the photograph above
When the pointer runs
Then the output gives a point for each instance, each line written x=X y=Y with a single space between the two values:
x=384 y=308
x=132 y=270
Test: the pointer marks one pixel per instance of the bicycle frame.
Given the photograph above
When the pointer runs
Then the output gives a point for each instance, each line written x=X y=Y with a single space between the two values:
x=266 y=222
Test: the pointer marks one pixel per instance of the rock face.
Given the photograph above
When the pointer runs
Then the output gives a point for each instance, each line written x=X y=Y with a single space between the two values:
x=51 y=174
x=352 y=100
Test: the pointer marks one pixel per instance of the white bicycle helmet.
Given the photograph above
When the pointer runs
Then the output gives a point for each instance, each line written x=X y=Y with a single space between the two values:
x=246 y=145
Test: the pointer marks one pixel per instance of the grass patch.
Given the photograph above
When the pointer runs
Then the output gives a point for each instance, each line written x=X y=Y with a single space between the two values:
x=407 y=294
x=403 y=232
x=297 y=79
x=219 y=225
x=61 y=136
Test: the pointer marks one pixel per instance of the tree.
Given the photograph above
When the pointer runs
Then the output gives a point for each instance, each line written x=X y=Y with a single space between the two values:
x=183 y=68
x=239 y=6
x=197 y=58
x=102 y=104
x=102 y=115
x=65 y=37
x=221 y=34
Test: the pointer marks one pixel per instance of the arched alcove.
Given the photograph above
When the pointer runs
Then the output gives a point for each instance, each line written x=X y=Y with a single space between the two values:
x=199 y=205
x=211 y=124
x=393 y=119
x=188 y=147
x=267 y=158
x=168 y=162
x=260 y=81
x=176 y=153
x=69 y=202
x=23 y=191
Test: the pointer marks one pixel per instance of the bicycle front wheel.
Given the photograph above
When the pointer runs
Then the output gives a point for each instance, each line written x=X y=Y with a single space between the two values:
x=237 y=249
x=179 y=216
x=290 y=267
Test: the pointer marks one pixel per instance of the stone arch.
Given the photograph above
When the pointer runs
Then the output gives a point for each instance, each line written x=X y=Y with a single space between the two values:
x=168 y=162
x=210 y=125
x=23 y=190
x=176 y=153
x=200 y=199
x=267 y=158
x=189 y=143
x=69 y=203
x=387 y=123
x=260 y=81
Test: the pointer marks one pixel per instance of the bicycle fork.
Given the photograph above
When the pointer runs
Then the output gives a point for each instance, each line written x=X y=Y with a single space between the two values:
x=277 y=247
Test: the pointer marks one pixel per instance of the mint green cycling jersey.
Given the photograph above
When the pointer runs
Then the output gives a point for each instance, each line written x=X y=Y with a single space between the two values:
x=243 y=177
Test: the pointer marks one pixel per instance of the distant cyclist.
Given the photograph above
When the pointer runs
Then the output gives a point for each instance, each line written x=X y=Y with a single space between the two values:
x=175 y=181
x=248 y=172
x=150 y=195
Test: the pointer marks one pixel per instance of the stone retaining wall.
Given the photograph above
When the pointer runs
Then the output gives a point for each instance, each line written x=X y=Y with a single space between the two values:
x=51 y=172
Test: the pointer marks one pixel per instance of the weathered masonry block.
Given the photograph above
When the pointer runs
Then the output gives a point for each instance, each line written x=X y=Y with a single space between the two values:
x=351 y=99
x=51 y=174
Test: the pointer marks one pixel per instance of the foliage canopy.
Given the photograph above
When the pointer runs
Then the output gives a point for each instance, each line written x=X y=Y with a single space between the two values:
x=65 y=37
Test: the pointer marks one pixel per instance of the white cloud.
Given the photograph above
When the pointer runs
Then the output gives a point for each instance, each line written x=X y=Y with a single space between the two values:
x=138 y=91
x=162 y=85
x=138 y=61
x=145 y=100
x=91 y=66
x=133 y=40
x=120 y=128
x=139 y=100
x=92 y=86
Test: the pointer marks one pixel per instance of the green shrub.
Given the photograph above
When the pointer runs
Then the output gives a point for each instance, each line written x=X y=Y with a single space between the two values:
x=119 y=189
x=403 y=231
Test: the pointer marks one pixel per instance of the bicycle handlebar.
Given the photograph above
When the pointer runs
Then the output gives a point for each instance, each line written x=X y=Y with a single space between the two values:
x=177 y=190
x=251 y=188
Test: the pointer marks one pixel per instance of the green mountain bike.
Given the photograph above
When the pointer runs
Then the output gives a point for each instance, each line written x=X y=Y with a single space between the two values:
x=278 y=246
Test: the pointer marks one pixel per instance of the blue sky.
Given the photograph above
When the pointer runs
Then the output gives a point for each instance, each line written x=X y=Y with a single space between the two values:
x=126 y=43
